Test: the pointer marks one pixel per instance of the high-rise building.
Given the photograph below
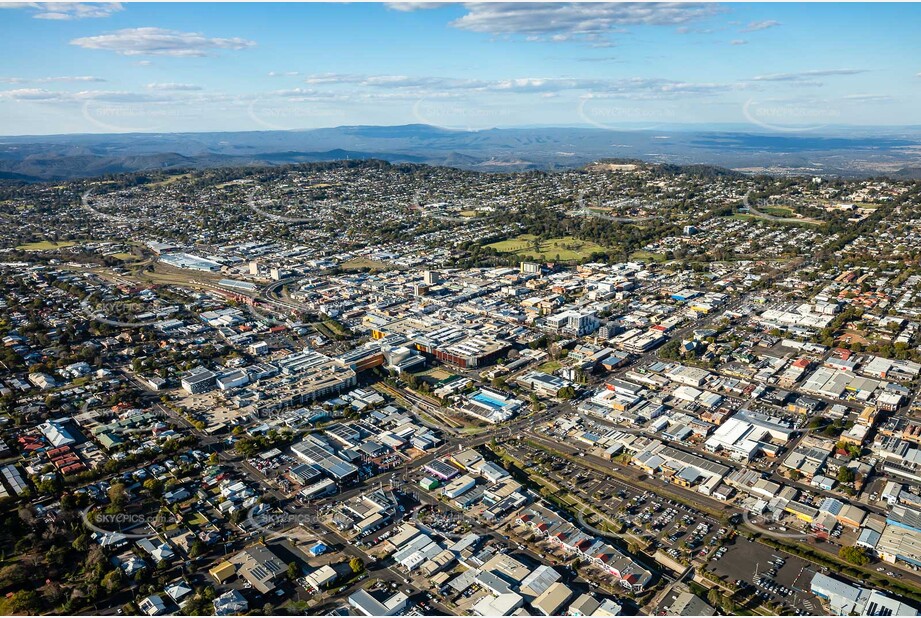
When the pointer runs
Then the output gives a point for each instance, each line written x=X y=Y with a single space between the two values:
x=530 y=268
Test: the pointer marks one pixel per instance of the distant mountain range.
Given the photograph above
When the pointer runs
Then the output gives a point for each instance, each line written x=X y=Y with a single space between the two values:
x=851 y=152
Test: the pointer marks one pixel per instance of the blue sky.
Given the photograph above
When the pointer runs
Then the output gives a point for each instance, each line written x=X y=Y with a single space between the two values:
x=102 y=68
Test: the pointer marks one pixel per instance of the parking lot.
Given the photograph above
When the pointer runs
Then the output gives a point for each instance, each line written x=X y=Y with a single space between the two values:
x=678 y=530
x=769 y=574
x=672 y=527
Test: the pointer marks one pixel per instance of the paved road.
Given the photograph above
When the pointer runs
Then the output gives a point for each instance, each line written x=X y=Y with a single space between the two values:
x=768 y=217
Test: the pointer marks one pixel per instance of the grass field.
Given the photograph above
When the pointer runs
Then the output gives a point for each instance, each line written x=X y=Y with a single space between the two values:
x=435 y=376
x=777 y=211
x=752 y=217
x=568 y=249
x=468 y=213
x=170 y=180
x=126 y=257
x=171 y=275
x=437 y=373
x=647 y=256
x=360 y=263
x=46 y=245
x=550 y=366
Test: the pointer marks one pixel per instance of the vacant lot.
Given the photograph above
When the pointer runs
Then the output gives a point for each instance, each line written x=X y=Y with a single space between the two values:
x=565 y=249
x=648 y=256
x=46 y=245
x=362 y=263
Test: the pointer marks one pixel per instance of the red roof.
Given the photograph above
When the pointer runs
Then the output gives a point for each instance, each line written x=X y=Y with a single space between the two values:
x=73 y=468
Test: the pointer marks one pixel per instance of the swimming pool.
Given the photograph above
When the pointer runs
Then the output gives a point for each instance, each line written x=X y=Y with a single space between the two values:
x=489 y=401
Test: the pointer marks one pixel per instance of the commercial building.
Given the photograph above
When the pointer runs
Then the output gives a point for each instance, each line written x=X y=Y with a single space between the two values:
x=743 y=435
x=311 y=452
x=689 y=604
x=490 y=405
x=261 y=568
x=367 y=605
x=198 y=380
x=543 y=384
x=552 y=600
x=844 y=599
x=459 y=486
x=548 y=524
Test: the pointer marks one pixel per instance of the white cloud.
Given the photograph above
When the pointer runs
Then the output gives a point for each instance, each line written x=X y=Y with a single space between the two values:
x=692 y=30
x=402 y=81
x=599 y=59
x=307 y=94
x=592 y=22
x=51 y=80
x=806 y=76
x=392 y=81
x=869 y=97
x=70 y=78
x=738 y=42
x=40 y=94
x=29 y=94
x=445 y=86
x=159 y=42
x=539 y=84
x=173 y=87
x=755 y=26
x=334 y=78
x=407 y=7
x=66 y=10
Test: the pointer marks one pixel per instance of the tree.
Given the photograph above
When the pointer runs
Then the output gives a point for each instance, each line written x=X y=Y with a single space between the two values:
x=292 y=570
x=854 y=555
x=154 y=486
x=356 y=565
x=112 y=581
x=24 y=602
x=52 y=592
x=81 y=543
x=117 y=496
x=197 y=548
x=845 y=475
x=12 y=575
x=713 y=597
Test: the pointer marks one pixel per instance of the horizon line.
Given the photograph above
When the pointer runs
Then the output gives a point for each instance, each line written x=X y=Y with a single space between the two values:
x=734 y=127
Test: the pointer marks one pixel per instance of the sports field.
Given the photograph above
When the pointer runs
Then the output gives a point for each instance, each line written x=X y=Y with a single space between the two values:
x=566 y=249
x=46 y=245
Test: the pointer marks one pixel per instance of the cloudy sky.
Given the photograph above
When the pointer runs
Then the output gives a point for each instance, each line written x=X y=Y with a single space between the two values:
x=103 y=68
